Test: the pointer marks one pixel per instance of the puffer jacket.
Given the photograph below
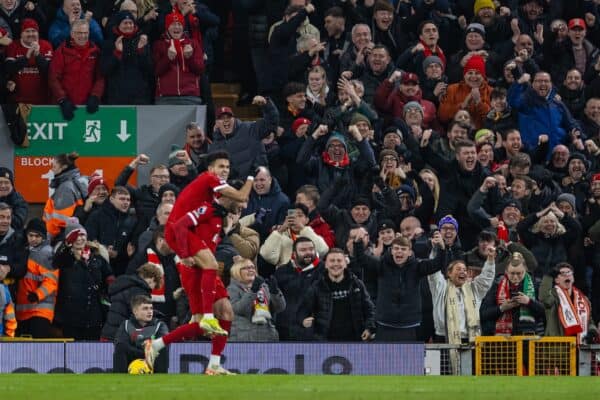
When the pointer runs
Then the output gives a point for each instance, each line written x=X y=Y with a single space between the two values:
x=75 y=73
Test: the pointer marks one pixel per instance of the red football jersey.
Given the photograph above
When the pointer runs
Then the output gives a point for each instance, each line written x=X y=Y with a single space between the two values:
x=203 y=189
x=31 y=84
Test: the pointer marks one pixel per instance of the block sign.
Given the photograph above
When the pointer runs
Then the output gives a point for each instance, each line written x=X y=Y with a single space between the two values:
x=106 y=140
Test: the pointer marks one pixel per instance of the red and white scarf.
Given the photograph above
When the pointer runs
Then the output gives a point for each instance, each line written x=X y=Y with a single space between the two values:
x=309 y=267
x=345 y=161
x=158 y=294
x=504 y=324
x=438 y=52
x=573 y=315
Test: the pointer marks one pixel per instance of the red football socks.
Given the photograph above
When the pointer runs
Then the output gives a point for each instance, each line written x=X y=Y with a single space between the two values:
x=218 y=342
x=184 y=332
x=208 y=290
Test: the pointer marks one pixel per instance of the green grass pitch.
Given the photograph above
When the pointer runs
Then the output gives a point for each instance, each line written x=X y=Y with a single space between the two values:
x=276 y=387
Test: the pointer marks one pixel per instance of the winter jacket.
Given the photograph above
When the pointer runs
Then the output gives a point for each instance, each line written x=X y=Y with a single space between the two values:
x=294 y=283
x=244 y=145
x=474 y=259
x=13 y=253
x=277 y=249
x=549 y=298
x=324 y=175
x=242 y=302
x=19 y=207
x=457 y=187
x=82 y=286
x=539 y=115
x=322 y=228
x=246 y=241
x=548 y=251
x=456 y=94
x=41 y=279
x=70 y=190
x=398 y=290
x=112 y=228
x=130 y=337
x=174 y=77
x=121 y=292
x=60 y=30
x=340 y=220
x=8 y=322
x=15 y=17
x=275 y=203
x=489 y=312
x=75 y=74
x=143 y=198
x=391 y=101
x=370 y=80
x=128 y=73
x=318 y=303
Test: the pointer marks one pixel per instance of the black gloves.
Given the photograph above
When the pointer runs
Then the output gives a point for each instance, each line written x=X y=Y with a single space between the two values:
x=260 y=216
x=67 y=108
x=258 y=281
x=273 y=285
x=92 y=104
x=32 y=297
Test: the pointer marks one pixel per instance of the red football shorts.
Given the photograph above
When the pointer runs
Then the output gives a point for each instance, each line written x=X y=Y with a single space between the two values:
x=190 y=281
x=194 y=243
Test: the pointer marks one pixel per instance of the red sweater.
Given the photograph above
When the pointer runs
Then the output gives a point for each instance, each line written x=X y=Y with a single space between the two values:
x=391 y=101
x=31 y=83
x=75 y=73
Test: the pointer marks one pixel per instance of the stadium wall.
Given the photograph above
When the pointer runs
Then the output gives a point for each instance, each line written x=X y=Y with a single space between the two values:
x=245 y=358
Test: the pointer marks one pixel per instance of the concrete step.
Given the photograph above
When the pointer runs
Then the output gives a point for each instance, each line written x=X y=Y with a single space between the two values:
x=231 y=88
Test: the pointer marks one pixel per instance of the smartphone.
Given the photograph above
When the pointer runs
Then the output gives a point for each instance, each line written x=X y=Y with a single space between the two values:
x=291 y=212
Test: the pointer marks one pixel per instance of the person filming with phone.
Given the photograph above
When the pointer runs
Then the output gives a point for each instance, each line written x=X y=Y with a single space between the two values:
x=511 y=307
x=277 y=249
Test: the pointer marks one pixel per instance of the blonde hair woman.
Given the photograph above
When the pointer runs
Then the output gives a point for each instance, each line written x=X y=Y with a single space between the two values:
x=431 y=179
x=254 y=303
x=317 y=89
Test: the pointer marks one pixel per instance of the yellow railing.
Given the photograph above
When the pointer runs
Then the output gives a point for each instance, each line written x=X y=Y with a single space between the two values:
x=525 y=355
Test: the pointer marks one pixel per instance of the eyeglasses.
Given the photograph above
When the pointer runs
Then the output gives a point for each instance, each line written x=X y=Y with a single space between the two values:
x=389 y=158
x=566 y=273
x=248 y=267
x=160 y=176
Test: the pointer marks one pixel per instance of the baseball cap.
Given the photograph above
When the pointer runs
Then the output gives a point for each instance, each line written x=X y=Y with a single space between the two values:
x=410 y=77
x=224 y=110
x=577 y=23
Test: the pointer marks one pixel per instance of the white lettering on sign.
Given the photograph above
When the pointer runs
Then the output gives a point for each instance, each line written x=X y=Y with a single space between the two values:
x=123 y=135
x=49 y=176
x=36 y=162
x=92 y=131
x=47 y=130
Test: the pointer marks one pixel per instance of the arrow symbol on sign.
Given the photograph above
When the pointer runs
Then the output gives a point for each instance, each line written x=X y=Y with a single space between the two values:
x=123 y=135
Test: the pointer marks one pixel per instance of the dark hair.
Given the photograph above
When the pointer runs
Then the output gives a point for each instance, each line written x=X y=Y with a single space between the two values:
x=556 y=270
x=67 y=159
x=381 y=46
x=422 y=25
x=300 y=206
x=236 y=183
x=460 y=124
x=301 y=239
x=334 y=250
x=497 y=93
x=291 y=88
x=486 y=236
x=140 y=299
x=289 y=10
x=119 y=190
x=507 y=132
x=216 y=155
x=527 y=180
x=335 y=11
x=159 y=232
x=5 y=206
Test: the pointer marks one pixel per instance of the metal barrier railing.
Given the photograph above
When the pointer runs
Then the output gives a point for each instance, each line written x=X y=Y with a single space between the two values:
x=448 y=359
x=525 y=355
x=589 y=360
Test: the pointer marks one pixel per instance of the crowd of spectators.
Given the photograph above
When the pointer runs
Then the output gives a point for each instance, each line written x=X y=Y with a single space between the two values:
x=424 y=169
